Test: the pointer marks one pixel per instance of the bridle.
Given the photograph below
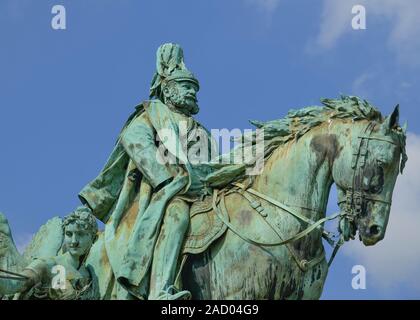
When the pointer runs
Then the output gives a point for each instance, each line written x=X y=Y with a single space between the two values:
x=356 y=197
x=355 y=201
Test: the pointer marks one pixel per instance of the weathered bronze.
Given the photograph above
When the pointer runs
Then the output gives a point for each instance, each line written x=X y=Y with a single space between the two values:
x=178 y=228
x=33 y=275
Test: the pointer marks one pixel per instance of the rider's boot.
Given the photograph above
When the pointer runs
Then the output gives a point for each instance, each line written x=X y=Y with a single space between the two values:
x=166 y=254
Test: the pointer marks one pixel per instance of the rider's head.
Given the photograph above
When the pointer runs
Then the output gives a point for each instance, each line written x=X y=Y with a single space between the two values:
x=80 y=229
x=180 y=90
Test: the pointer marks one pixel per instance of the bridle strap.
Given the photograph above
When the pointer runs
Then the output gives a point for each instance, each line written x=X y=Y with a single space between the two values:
x=337 y=246
x=282 y=206
x=223 y=215
x=371 y=197
x=274 y=202
x=356 y=196
x=379 y=139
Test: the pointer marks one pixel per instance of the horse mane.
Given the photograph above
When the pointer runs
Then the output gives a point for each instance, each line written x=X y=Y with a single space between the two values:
x=297 y=122
x=293 y=126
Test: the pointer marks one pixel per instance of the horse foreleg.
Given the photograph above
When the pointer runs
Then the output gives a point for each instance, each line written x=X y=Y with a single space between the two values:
x=234 y=269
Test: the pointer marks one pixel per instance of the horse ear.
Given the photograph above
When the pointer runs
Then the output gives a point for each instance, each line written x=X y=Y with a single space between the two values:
x=392 y=120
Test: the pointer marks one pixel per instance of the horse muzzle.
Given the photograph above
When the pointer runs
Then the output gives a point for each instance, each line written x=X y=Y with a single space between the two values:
x=371 y=234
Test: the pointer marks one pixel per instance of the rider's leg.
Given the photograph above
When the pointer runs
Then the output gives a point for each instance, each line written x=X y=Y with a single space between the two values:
x=167 y=249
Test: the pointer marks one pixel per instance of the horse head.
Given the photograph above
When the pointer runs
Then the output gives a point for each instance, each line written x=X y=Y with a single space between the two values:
x=365 y=173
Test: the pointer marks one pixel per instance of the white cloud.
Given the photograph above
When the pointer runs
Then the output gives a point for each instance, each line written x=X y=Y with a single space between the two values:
x=395 y=261
x=404 y=36
x=359 y=86
x=335 y=21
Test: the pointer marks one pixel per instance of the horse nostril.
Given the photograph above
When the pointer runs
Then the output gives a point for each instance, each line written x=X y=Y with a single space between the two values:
x=374 y=230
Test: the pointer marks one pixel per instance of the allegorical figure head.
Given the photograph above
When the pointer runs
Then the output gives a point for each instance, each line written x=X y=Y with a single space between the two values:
x=80 y=230
x=37 y=280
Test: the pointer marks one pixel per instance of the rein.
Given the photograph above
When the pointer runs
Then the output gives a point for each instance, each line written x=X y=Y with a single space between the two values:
x=354 y=202
x=221 y=212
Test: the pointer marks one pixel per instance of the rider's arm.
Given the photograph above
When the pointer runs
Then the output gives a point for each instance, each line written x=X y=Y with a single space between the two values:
x=139 y=142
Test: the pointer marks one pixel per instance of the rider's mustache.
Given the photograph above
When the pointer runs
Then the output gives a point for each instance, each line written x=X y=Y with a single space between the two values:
x=192 y=96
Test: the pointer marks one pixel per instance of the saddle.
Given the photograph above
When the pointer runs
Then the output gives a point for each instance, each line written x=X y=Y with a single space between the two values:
x=205 y=227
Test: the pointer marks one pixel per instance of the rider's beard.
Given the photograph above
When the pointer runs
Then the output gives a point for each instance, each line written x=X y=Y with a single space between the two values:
x=184 y=103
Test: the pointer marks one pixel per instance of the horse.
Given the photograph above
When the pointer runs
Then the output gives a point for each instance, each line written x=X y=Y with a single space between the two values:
x=272 y=245
x=348 y=143
x=274 y=250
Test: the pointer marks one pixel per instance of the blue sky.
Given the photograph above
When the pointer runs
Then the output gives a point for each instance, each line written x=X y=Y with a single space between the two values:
x=66 y=93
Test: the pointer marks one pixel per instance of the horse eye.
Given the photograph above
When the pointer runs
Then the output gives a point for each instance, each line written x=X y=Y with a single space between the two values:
x=380 y=163
x=376 y=189
x=377 y=182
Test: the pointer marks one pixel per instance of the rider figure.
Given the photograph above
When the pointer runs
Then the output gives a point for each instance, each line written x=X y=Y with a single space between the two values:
x=148 y=266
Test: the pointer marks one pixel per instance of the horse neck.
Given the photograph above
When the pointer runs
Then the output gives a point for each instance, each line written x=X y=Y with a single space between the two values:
x=299 y=173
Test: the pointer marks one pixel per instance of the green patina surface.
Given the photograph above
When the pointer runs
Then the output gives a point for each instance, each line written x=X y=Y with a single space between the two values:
x=183 y=229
